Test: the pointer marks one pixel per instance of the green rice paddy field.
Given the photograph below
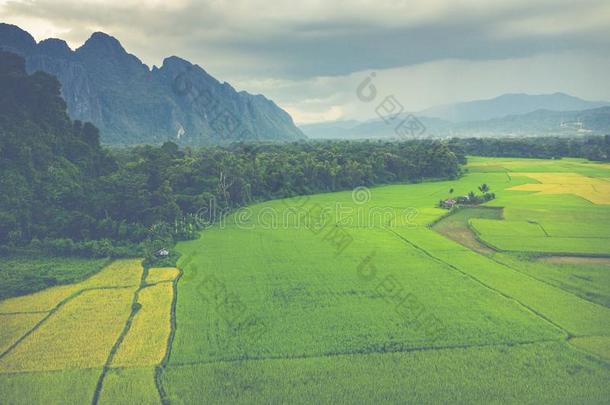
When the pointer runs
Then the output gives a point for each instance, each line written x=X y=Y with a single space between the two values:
x=377 y=296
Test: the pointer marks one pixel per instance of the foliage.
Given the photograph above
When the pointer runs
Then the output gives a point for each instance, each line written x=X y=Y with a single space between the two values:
x=589 y=147
x=120 y=273
x=71 y=197
x=513 y=330
x=29 y=272
x=470 y=199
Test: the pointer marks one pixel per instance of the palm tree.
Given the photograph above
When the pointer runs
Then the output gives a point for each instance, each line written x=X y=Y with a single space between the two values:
x=484 y=188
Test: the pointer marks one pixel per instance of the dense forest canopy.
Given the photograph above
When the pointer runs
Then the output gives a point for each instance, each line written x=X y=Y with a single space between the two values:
x=589 y=147
x=59 y=184
x=62 y=189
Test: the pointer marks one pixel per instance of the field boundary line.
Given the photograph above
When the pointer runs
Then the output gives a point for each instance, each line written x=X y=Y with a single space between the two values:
x=546 y=282
x=117 y=343
x=364 y=353
x=24 y=313
x=527 y=307
x=588 y=353
x=159 y=282
x=478 y=238
x=51 y=312
x=542 y=228
x=160 y=368
x=352 y=353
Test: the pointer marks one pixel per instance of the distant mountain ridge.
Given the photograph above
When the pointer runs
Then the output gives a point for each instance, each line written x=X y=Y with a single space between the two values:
x=132 y=104
x=541 y=122
x=594 y=121
x=509 y=104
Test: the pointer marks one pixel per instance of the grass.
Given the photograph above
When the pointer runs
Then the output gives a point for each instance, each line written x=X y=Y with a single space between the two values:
x=456 y=226
x=599 y=345
x=303 y=306
x=42 y=301
x=130 y=386
x=58 y=387
x=79 y=335
x=570 y=216
x=550 y=245
x=270 y=311
x=16 y=326
x=588 y=278
x=146 y=341
x=531 y=374
x=161 y=274
x=366 y=303
x=576 y=316
x=512 y=229
x=21 y=275
x=77 y=328
x=583 y=276
x=121 y=273
x=590 y=188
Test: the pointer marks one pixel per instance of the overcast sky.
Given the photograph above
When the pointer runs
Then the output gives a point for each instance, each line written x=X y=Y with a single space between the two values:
x=309 y=56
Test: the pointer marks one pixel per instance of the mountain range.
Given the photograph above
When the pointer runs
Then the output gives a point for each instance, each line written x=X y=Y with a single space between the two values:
x=132 y=104
x=508 y=115
x=509 y=104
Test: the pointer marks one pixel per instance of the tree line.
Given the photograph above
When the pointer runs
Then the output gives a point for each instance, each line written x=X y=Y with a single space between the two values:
x=595 y=148
x=63 y=192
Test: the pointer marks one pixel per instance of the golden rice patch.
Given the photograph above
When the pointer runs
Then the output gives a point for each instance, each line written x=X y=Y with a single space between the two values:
x=79 y=335
x=161 y=274
x=146 y=341
x=44 y=300
x=117 y=274
x=13 y=327
x=592 y=189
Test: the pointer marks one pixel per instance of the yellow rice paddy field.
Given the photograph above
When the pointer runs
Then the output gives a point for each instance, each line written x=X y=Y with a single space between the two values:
x=161 y=274
x=80 y=335
x=592 y=189
x=146 y=340
x=16 y=325
x=115 y=321
x=121 y=273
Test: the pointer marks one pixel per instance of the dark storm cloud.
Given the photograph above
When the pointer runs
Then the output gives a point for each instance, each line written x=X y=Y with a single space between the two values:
x=310 y=55
x=282 y=39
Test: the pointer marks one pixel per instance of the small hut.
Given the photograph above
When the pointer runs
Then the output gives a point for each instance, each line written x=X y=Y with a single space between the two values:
x=162 y=253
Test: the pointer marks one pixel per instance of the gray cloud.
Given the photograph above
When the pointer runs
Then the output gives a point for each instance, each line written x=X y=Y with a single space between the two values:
x=306 y=41
x=251 y=41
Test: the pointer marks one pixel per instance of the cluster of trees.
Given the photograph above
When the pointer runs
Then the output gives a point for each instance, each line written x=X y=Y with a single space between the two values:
x=471 y=199
x=63 y=192
x=163 y=192
x=588 y=147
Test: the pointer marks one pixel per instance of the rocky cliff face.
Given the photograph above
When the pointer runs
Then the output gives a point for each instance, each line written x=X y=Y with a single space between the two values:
x=131 y=104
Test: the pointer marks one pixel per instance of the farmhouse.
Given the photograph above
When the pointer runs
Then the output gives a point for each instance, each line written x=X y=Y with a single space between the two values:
x=449 y=203
x=162 y=253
